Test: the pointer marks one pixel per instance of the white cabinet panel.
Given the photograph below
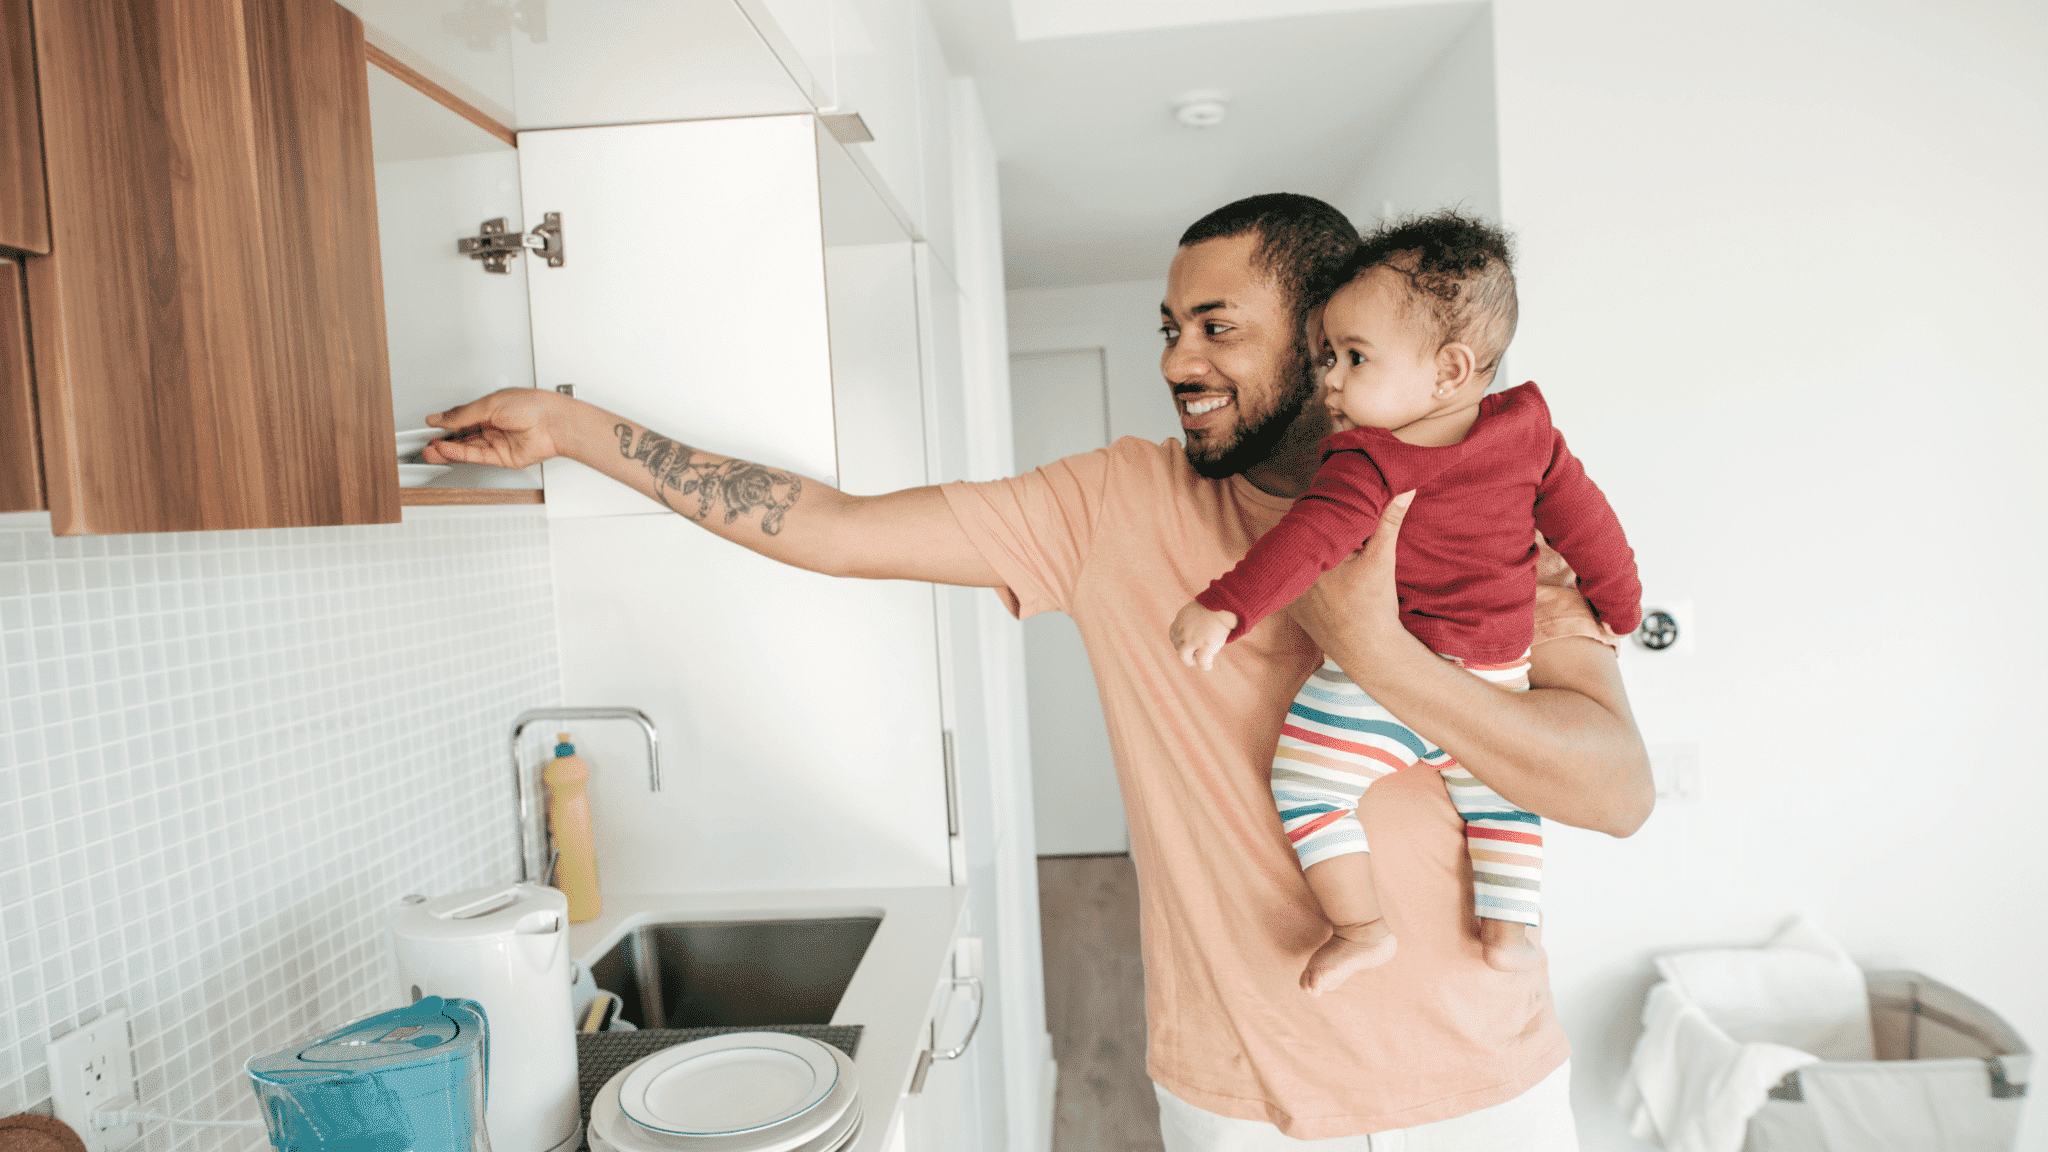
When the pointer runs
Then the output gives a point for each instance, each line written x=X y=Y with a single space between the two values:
x=875 y=50
x=935 y=137
x=806 y=28
x=693 y=295
x=636 y=61
x=799 y=714
x=876 y=368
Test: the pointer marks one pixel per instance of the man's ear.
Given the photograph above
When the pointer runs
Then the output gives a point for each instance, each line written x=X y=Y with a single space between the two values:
x=1455 y=367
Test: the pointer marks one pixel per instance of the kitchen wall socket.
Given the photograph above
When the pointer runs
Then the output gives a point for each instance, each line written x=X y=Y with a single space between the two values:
x=92 y=1067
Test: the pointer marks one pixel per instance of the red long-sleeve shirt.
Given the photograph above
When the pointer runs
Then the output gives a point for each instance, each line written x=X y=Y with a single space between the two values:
x=1467 y=561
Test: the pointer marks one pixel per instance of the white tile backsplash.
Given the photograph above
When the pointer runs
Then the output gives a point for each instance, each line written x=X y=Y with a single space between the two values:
x=224 y=756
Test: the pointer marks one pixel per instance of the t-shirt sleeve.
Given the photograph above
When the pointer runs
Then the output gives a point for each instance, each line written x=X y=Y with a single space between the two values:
x=1036 y=530
x=1574 y=516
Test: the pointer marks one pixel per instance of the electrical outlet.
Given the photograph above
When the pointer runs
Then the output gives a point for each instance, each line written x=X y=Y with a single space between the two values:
x=92 y=1068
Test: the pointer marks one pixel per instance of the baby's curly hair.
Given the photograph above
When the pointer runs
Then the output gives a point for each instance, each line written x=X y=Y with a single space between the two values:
x=1460 y=271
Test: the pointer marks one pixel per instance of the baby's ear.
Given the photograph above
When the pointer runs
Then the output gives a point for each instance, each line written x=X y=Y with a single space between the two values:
x=1455 y=366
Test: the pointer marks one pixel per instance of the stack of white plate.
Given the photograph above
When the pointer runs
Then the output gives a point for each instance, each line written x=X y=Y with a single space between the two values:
x=411 y=473
x=740 y=1092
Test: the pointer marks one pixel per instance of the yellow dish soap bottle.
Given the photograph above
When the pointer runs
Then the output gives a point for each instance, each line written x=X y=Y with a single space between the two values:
x=568 y=780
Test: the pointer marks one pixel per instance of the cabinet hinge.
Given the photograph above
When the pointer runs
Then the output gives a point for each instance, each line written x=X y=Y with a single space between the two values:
x=495 y=246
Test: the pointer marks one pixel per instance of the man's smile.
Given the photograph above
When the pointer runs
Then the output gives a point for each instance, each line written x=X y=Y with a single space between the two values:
x=1198 y=409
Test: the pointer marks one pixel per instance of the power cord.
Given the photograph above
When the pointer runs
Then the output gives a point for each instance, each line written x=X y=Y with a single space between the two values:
x=106 y=1118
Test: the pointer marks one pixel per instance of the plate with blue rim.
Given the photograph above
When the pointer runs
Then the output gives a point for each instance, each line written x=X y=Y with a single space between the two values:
x=737 y=1092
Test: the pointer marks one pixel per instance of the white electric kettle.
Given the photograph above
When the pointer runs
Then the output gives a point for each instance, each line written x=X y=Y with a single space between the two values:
x=507 y=948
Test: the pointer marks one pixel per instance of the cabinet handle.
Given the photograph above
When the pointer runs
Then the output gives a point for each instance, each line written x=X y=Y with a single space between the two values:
x=925 y=1058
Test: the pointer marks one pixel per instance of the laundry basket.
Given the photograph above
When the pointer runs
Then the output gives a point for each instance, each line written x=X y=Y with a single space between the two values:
x=1950 y=1076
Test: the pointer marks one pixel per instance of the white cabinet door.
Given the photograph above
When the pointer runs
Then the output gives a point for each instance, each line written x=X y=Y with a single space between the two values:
x=799 y=714
x=935 y=138
x=876 y=61
x=640 y=61
x=692 y=298
x=952 y=1113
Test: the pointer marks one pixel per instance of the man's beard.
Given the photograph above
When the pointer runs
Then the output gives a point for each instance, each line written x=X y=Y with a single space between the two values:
x=1254 y=444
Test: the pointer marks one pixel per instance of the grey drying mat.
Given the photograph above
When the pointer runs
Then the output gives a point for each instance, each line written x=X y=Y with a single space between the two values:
x=600 y=1055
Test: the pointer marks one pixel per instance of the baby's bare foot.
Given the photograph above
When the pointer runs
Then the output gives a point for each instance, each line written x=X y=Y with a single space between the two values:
x=1351 y=948
x=1508 y=947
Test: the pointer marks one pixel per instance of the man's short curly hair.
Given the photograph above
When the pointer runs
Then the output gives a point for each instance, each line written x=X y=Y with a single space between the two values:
x=1303 y=243
x=1460 y=271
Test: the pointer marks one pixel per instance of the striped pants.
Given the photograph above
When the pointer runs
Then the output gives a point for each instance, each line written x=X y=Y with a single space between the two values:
x=1337 y=740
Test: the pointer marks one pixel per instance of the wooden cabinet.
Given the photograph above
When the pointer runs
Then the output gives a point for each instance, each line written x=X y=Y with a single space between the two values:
x=21 y=466
x=23 y=222
x=208 y=325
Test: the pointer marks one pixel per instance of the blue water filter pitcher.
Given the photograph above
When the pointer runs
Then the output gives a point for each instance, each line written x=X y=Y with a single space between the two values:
x=407 y=1080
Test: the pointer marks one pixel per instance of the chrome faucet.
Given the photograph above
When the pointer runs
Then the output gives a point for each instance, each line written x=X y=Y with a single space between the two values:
x=532 y=836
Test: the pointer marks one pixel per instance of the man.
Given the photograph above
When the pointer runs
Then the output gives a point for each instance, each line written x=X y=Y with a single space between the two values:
x=1434 y=1046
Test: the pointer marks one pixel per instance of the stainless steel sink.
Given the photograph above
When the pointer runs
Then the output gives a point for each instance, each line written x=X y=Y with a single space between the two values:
x=687 y=974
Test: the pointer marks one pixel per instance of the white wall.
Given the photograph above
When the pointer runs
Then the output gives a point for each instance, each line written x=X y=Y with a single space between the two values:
x=1122 y=320
x=1782 y=279
x=224 y=758
x=1441 y=149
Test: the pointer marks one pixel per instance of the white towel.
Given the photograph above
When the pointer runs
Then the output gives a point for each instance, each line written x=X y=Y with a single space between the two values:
x=1690 y=1088
x=1800 y=989
x=1727 y=1024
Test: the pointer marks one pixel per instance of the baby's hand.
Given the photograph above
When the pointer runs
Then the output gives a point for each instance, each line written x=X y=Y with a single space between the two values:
x=1198 y=633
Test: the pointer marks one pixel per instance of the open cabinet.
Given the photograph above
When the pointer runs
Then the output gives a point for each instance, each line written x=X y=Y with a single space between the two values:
x=736 y=283
x=456 y=328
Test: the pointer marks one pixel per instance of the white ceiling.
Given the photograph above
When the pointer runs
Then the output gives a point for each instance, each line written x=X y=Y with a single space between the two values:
x=1098 y=179
x=1045 y=19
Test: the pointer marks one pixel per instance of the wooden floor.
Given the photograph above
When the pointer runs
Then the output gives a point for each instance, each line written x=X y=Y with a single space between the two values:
x=1095 y=1005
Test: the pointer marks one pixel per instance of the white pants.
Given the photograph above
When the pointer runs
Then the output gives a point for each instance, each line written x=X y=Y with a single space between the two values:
x=1539 y=1120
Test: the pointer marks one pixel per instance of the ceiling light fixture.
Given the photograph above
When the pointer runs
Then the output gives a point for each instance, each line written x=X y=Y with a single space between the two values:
x=1202 y=109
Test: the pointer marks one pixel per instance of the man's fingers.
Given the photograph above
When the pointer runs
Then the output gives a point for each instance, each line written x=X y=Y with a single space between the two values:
x=1396 y=511
x=462 y=415
x=1379 y=550
x=486 y=448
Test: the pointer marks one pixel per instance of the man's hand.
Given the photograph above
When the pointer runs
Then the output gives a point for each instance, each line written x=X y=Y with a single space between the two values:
x=512 y=428
x=1359 y=596
x=1567 y=749
x=1198 y=634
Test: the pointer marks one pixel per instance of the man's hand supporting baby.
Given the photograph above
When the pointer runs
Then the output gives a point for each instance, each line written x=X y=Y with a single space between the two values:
x=1572 y=755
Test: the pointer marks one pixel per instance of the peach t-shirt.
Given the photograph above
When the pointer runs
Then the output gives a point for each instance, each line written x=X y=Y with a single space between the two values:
x=1119 y=539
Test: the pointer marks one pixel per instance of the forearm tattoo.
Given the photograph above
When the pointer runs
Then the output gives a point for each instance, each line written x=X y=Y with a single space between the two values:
x=740 y=486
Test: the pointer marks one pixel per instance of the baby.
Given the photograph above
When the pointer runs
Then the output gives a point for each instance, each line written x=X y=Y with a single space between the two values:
x=1412 y=338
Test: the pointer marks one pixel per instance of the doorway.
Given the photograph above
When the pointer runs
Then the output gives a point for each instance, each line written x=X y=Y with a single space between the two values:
x=1059 y=406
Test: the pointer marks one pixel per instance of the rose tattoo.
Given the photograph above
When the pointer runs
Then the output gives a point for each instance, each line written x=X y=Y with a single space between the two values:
x=739 y=485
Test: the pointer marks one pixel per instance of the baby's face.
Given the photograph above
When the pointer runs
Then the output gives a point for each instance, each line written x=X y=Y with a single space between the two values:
x=1379 y=359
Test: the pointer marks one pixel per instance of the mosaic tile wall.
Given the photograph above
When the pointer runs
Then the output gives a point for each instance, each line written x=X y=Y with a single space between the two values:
x=224 y=756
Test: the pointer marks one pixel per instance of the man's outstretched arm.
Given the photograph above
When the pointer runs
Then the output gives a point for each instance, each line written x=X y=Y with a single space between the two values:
x=1567 y=749
x=907 y=535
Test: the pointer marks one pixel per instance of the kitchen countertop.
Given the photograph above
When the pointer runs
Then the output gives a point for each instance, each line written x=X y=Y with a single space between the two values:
x=892 y=990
